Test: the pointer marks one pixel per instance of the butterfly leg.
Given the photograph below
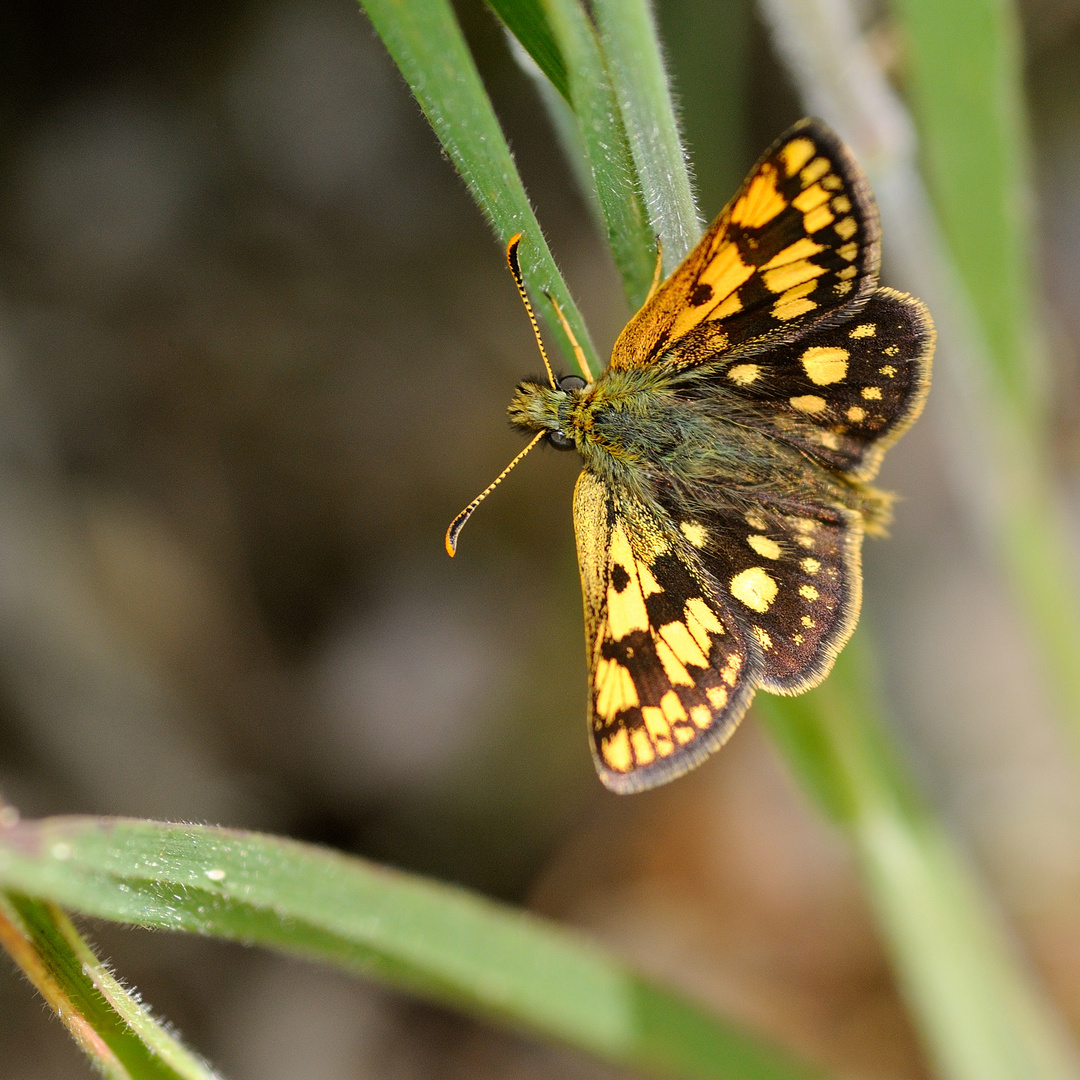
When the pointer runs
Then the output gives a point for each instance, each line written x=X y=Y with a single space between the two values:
x=579 y=352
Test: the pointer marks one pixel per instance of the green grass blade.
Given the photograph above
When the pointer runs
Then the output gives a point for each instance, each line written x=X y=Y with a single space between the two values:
x=629 y=233
x=966 y=86
x=979 y=1012
x=632 y=50
x=432 y=940
x=121 y=1039
x=965 y=81
x=426 y=43
x=525 y=19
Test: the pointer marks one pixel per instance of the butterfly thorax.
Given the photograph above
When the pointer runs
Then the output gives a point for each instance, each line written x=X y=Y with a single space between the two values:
x=656 y=433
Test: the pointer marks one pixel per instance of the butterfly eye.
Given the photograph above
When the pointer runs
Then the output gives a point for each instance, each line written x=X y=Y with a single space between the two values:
x=571 y=382
x=558 y=439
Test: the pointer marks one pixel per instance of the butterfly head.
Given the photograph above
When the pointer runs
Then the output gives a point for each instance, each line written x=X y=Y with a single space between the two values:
x=546 y=409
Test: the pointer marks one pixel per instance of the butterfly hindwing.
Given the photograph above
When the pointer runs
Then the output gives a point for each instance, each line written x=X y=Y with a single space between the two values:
x=797 y=245
x=788 y=576
x=843 y=393
x=670 y=674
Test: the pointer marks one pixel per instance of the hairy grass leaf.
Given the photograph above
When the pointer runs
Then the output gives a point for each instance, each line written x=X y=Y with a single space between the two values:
x=433 y=940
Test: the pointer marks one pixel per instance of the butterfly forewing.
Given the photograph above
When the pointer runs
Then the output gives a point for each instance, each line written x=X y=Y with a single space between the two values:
x=671 y=674
x=796 y=246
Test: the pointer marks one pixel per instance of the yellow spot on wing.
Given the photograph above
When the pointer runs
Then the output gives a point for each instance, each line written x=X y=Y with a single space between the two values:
x=649 y=584
x=731 y=669
x=845 y=228
x=764 y=546
x=787 y=277
x=825 y=364
x=855 y=414
x=754 y=588
x=683 y=645
x=817 y=219
x=866 y=329
x=698 y=632
x=810 y=199
x=725 y=270
x=717 y=696
x=656 y=725
x=724 y=273
x=808 y=403
x=673 y=668
x=616 y=751
x=744 y=374
x=643 y=749
x=811 y=566
x=615 y=690
x=672 y=707
x=814 y=171
x=625 y=610
x=794 y=303
x=702 y=621
x=803 y=248
x=728 y=307
x=871 y=393
x=763 y=637
x=848 y=251
x=701 y=611
x=762 y=201
x=796 y=154
x=701 y=715
x=694 y=532
x=808 y=592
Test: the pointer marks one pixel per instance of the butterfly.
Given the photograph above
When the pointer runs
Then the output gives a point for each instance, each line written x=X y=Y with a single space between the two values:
x=727 y=453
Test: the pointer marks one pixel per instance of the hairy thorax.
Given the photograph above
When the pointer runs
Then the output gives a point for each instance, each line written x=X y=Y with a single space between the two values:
x=642 y=430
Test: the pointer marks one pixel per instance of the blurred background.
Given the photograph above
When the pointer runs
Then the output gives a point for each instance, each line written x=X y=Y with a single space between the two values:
x=256 y=345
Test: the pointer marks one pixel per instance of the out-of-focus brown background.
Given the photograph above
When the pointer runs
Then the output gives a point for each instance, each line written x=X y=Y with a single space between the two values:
x=255 y=349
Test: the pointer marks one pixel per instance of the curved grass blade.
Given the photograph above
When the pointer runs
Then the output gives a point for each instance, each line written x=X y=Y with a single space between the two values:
x=592 y=96
x=426 y=43
x=432 y=940
x=632 y=51
x=526 y=21
x=121 y=1039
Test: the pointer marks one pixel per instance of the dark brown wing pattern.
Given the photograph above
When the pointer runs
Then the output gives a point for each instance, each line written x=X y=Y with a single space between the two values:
x=844 y=393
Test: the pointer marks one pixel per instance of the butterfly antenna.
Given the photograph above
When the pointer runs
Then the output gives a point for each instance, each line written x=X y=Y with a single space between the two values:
x=519 y=281
x=458 y=523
